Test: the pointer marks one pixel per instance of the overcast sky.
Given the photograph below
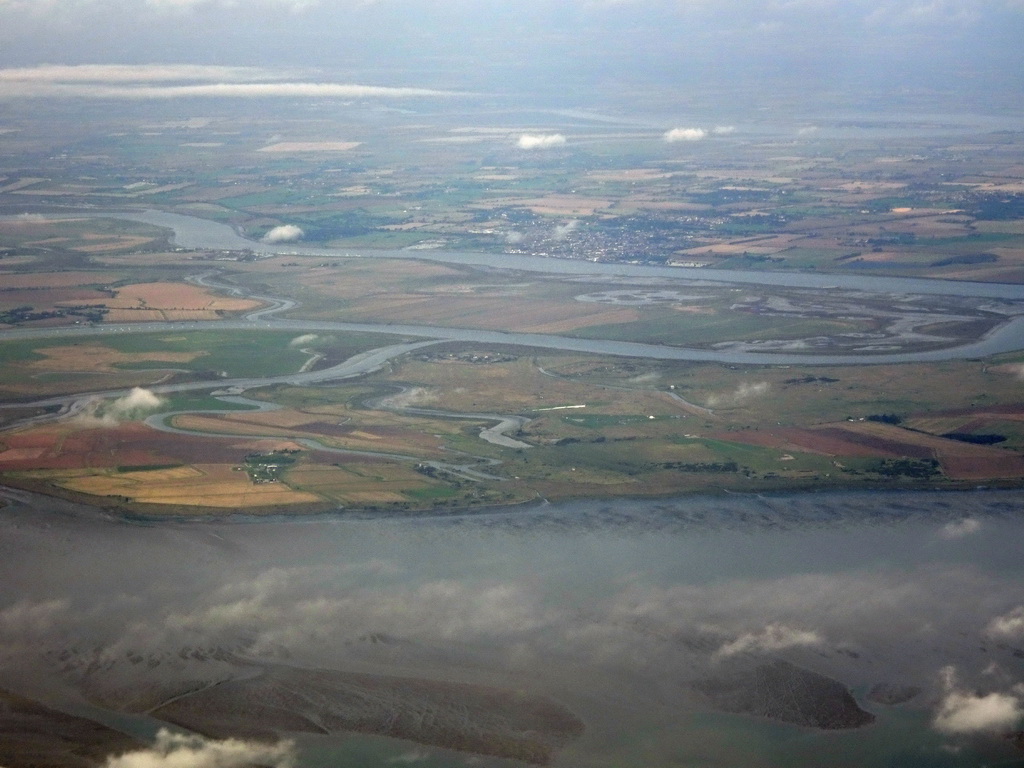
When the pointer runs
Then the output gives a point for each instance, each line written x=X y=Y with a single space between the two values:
x=965 y=46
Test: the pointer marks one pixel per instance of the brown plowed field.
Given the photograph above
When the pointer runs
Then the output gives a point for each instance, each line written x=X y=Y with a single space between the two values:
x=959 y=460
x=58 y=279
x=176 y=296
x=860 y=443
x=988 y=467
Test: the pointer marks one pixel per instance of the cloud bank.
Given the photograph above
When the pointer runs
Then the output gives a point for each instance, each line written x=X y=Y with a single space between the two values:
x=306 y=338
x=142 y=73
x=174 y=81
x=684 y=134
x=960 y=528
x=562 y=231
x=962 y=712
x=774 y=637
x=1008 y=626
x=540 y=140
x=173 y=750
x=744 y=392
x=286 y=233
x=104 y=413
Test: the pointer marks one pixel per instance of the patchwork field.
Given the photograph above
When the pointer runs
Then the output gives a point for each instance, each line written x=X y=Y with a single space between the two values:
x=198 y=485
x=463 y=424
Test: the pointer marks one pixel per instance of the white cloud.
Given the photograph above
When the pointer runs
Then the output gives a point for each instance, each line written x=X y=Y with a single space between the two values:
x=173 y=750
x=142 y=73
x=685 y=134
x=306 y=338
x=292 y=608
x=262 y=90
x=562 y=231
x=33 y=619
x=1009 y=625
x=540 y=140
x=961 y=712
x=774 y=637
x=960 y=528
x=410 y=757
x=138 y=399
x=807 y=130
x=107 y=81
x=744 y=392
x=723 y=130
x=286 y=233
x=102 y=413
x=295 y=6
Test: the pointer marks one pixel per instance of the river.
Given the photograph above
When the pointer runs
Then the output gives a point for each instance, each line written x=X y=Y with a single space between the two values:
x=191 y=232
x=765 y=631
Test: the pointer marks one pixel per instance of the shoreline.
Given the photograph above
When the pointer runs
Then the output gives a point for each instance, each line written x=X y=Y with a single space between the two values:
x=312 y=513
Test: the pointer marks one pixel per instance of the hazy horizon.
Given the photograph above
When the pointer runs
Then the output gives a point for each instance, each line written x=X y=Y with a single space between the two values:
x=883 y=53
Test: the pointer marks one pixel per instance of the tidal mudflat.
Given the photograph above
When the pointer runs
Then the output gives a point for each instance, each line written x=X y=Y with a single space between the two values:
x=864 y=629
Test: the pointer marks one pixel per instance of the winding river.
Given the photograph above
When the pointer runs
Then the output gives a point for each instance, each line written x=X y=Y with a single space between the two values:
x=695 y=631
x=191 y=232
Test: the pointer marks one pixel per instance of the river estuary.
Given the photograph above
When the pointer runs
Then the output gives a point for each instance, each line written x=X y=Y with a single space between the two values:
x=818 y=629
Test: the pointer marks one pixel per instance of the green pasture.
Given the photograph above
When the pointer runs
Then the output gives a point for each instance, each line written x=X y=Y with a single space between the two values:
x=697 y=329
x=235 y=353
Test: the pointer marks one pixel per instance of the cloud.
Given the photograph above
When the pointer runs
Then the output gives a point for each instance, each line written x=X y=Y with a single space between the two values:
x=774 y=637
x=286 y=233
x=1015 y=369
x=306 y=338
x=723 y=130
x=295 y=6
x=562 y=231
x=540 y=140
x=684 y=134
x=294 y=608
x=961 y=712
x=30 y=618
x=110 y=413
x=408 y=758
x=745 y=391
x=1009 y=625
x=114 y=73
x=173 y=750
x=261 y=90
x=807 y=130
x=960 y=528
x=107 y=81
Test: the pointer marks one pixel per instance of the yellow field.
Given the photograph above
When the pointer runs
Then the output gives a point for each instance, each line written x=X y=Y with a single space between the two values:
x=203 y=485
x=214 y=425
x=631 y=174
x=938 y=425
x=97 y=358
x=359 y=483
x=391 y=433
x=551 y=205
x=311 y=146
x=112 y=243
x=57 y=279
x=170 y=296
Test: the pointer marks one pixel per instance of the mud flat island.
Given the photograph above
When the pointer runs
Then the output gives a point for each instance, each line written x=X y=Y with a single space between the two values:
x=799 y=628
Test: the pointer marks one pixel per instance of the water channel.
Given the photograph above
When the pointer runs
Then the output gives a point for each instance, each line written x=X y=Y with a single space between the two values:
x=700 y=631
